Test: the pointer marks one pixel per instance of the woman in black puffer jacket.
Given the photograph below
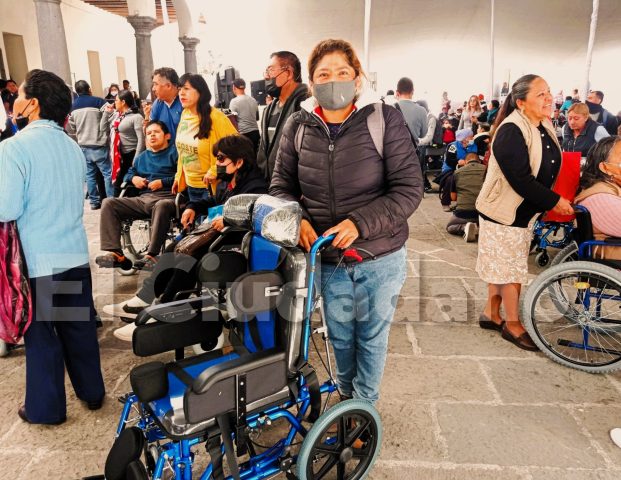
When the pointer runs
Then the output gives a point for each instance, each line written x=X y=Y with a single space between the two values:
x=362 y=193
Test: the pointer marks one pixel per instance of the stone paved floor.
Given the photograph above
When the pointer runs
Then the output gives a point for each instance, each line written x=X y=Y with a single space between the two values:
x=457 y=402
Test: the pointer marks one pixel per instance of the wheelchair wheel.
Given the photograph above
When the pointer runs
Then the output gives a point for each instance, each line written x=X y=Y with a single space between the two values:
x=573 y=313
x=542 y=258
x=343 y=443
x=567 y=254
x=135 y=238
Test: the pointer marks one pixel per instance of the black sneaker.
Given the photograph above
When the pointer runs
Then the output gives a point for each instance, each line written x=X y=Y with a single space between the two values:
x=114 y=260
x=95 y=207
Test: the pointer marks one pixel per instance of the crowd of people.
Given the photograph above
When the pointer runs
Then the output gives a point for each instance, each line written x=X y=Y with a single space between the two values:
x=357 y=165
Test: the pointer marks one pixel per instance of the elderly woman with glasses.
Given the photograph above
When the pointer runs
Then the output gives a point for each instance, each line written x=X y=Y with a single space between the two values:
x=601 y=193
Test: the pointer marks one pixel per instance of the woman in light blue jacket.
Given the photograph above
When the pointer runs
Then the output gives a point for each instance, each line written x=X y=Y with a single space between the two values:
x=42 y=174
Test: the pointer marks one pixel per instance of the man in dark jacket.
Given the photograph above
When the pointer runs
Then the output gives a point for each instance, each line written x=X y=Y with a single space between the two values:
x=84 y=123
x=599 y=113
x=284 y=83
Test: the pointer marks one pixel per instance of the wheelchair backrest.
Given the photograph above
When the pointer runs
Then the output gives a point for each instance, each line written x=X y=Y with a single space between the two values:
x=269 y=299
x=584 y=231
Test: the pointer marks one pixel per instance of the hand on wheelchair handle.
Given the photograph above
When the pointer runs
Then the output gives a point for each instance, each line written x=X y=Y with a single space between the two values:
x=308 y=236
x=346 y=234
x=175 y=187
x=563 y=207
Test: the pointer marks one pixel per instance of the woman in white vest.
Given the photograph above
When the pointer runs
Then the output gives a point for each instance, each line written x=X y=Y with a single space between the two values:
x=525 y=161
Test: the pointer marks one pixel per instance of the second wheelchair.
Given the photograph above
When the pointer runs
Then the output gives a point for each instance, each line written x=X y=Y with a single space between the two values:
x=572 y=311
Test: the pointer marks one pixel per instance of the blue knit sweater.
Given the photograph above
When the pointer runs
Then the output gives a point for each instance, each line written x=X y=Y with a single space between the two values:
x=42 y=173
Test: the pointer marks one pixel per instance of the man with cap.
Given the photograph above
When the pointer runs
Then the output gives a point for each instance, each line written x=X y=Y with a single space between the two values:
x=456 y=151
x=247 y=110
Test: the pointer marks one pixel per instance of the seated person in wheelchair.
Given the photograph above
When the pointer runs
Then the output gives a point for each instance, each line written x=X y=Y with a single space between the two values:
x=601 y=193
x=237 y=174
x=152 y=174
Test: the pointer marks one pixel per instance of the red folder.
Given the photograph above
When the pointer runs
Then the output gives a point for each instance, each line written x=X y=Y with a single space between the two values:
x=566 y=184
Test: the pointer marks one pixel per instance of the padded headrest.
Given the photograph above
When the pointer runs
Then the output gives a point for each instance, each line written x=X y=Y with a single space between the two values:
x=237 y=210
x=217 y=269
x=277 y=220
x=256 y=292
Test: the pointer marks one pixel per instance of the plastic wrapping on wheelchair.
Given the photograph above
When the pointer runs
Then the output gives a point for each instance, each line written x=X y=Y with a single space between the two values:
x=274 y=219
x=277 y=220
x=237 y=210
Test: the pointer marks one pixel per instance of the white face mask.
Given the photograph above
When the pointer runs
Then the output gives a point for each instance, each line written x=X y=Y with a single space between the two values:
x=114 y=93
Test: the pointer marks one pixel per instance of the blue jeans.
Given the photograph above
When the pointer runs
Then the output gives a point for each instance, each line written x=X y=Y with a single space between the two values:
x=195 y=194
x=97 y=159
x=360 y=301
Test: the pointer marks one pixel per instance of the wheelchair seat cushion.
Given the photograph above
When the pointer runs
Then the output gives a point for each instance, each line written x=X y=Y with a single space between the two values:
x=218 y=269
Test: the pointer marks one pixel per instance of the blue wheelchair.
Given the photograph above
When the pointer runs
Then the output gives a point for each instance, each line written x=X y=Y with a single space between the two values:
x=572 y=311
x=548 y=234
x=224 y=401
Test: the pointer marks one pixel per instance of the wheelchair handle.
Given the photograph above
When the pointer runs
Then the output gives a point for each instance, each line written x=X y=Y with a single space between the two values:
x=320 y=243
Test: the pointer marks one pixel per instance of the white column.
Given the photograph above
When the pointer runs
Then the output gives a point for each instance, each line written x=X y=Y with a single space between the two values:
x=367 y=29
x=52 y=40
x=491 y=53
x=589 y=55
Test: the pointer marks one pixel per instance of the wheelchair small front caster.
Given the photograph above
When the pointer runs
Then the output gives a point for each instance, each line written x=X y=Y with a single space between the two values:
x=542 y=258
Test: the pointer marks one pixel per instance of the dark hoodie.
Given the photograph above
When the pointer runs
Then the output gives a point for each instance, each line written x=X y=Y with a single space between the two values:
x=253 y=182
x=603 y=116
x=266 y=156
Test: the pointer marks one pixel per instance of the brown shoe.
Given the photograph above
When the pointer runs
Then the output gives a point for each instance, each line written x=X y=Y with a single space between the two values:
x=523 y=341
x=489 y=324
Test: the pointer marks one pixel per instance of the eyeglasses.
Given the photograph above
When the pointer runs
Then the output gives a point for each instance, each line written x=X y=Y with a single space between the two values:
x=221 y=157
x=271 y=70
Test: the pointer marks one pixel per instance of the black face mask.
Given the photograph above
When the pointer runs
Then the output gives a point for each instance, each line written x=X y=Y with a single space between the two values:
x=20 y=121
x=271 y=88
x=222 y=175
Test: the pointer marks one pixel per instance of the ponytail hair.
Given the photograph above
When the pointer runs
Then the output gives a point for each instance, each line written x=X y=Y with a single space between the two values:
x=128 y=97
x=519 y=91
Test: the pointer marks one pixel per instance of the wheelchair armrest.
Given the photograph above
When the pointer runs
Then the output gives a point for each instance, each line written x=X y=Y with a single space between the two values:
x=216 y=390
x=128 y=190
x=240 y=365
x=613 y=240
x=176 y=312
x=180 y=202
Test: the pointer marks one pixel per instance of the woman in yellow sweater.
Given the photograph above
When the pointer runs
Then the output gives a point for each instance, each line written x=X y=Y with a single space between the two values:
x=200 y=127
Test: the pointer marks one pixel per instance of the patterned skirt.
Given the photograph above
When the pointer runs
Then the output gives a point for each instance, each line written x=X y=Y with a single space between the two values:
x=503 y=253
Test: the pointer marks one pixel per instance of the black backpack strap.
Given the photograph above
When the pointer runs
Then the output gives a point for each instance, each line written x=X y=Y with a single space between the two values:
x=215 y=452
x=314 y=392
x=225 y=430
